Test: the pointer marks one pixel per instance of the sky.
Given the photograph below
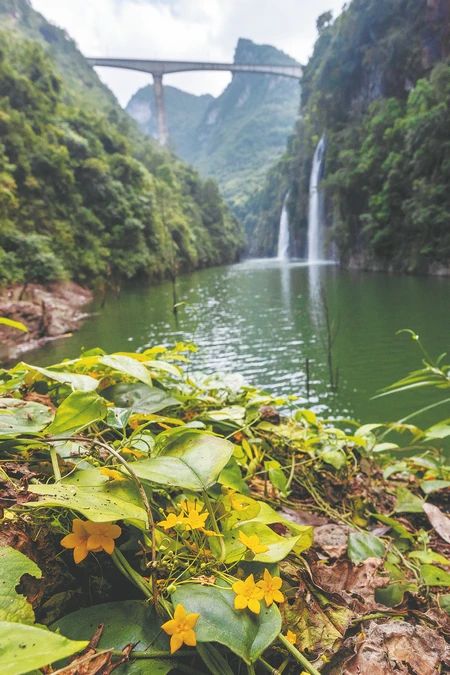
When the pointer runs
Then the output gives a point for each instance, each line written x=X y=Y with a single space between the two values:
x=189 y=30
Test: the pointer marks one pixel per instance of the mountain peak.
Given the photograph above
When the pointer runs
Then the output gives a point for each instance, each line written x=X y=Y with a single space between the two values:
x=248 y=51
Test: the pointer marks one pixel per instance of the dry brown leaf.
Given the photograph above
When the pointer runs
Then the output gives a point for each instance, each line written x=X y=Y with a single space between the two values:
x=439 y=521
x=394 y=648
x=354 y=584
x=88 y=664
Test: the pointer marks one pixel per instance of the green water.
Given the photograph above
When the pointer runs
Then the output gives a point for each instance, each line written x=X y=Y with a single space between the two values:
x=264 y=319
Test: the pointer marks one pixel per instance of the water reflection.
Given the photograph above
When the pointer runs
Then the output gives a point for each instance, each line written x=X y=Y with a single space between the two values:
x=264 y=319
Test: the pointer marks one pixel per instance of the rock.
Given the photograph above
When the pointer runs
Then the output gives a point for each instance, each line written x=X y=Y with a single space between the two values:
x=49 y=312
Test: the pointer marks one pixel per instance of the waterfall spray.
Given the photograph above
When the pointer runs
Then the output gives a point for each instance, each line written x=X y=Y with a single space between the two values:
x=283 y=233
x=315 y=220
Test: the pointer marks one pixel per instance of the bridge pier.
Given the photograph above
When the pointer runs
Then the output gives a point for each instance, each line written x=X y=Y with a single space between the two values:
x=160 y=107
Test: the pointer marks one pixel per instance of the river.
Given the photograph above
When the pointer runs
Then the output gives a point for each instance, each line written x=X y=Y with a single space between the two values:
x=264 y=319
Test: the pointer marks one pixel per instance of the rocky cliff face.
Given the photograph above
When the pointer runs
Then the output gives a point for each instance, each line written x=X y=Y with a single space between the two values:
x=237 y=136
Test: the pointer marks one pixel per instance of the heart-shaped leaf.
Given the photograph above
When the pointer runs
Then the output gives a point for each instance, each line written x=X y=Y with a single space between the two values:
x=128 y=366
x=78 y=410
x=187 y=458
x=15 y=607
x=246 y=634
x=140 y=398
x=129 y=622
x=363 y=545
x=22 y=417
x=94 y=496
x=75 y=380
x=24 y=648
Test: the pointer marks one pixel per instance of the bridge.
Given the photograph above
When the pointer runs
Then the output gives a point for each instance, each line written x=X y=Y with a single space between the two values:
x=160 y=68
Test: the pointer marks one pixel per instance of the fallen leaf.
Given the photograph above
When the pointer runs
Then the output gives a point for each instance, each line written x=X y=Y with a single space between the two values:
x=394 y=648
x=439 y=521
x=354 y=584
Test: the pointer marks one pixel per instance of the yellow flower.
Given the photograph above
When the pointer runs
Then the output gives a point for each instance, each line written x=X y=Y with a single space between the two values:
x=238 y=502
x=194 y=520
x=252 y=542
x=271 y=588
x=172 y=519
x=138 y=454
x=77 y=540
x=291 y=637
x=101 y=536
x=181 y=629
x=248 y=594
x=113 y=474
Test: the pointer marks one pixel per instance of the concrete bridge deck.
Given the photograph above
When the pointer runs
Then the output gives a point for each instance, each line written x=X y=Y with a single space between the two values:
x=165 y=67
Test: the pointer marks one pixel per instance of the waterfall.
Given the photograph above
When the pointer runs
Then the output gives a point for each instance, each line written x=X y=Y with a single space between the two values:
x=283 y=233
x=315 y=220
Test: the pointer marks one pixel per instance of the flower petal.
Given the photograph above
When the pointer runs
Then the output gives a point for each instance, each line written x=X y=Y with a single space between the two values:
x=175 y=643
x=169 y=626
x=108 y=545
x=71 y=540
x=254 y=605
x=191 y=619
x=180 y=613
x=278 y=596
x=94 y=541
x=80 y=553
x=189 y=638
x=240 y=602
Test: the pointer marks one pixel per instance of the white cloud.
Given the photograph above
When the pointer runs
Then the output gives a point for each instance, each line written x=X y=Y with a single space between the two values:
x=205 y=30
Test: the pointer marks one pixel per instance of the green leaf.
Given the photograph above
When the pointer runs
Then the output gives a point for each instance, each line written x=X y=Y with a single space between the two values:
x=231 y=477
x=363 y=545
x=277 y=547
x=213 y=659
x=187 y=458
x=78 y=410
x=434 y=576
x=22 y=417
x=429 y=556
x=393 y=595
x=75 y=380
x=13 y=565
x=93 y=495
x=407 y=502
x=128 y=366
x=444 y=603
x=24 y=648
x=140 y=398
x=247 y=635
x=127 y=622
x=18 y=325
x=429 y=486
x=333 y=456
x=276 y=475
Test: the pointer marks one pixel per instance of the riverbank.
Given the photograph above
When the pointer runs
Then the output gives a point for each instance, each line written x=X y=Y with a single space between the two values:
x=49 y=312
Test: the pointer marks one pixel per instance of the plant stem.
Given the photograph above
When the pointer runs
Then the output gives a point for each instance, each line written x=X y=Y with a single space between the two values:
x=161 y=654
x=268 y=667
x=251 y=669
x=124 y=566
x=215 y=526
x=55 y=465
x=298 y=656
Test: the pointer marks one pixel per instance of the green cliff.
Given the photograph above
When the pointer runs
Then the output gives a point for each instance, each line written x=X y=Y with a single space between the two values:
x=378 y=86
x=83 y=195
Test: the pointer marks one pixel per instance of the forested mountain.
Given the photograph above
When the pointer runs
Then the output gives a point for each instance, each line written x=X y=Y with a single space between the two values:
x=83 y=195
x=378 y=87
x=236 y=136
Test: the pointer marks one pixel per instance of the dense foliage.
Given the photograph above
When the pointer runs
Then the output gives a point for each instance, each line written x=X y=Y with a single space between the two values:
x=174 y=522
x=82 y=194
x=237 y=136
x=377 y=87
